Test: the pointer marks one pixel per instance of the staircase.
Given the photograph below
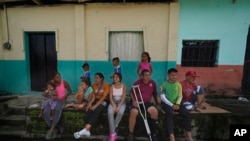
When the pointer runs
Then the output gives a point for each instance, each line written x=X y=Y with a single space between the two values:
x=13 y=114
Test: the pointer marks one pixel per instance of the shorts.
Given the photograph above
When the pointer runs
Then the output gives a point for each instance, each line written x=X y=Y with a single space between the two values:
x=147 y=105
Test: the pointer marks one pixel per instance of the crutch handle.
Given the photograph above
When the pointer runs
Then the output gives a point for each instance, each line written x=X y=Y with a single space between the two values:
x=136 y=86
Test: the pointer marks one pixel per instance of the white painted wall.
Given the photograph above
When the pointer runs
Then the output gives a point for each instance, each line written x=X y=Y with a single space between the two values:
x=82 y=30
x=152 y=19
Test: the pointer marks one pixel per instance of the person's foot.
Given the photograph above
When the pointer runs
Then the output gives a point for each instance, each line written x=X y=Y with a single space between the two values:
x=40 y=115
x=54 y=134
x=112 y=137
x=154 y=138
x=131 y=137
x=68 y=105
x=82 y=133
x=49 y=135
x=77 y=135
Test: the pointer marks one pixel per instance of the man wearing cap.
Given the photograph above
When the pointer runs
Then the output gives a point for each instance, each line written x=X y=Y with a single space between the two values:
x=191 y=94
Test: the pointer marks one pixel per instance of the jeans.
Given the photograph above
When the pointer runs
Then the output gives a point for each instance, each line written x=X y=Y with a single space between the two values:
x=114 y=120
x=170 y=115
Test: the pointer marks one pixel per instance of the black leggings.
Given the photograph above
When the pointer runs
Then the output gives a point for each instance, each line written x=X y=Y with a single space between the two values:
x=92 y=116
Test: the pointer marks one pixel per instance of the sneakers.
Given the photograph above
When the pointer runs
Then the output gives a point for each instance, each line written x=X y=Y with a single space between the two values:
x=49 y=135
x=113 y=137
x=82 y=133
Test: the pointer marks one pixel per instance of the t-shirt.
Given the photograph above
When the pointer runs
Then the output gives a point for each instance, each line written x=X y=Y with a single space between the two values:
x=147 y=90
x=84 y=95
x=104 y=89
x=173 y=91
x=87 y=93
x=145 y=66
x=189 y=90
x=118 y=69
x=86 y=74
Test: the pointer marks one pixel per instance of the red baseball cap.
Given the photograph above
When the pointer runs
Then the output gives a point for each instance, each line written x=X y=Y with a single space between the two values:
x=192 y=73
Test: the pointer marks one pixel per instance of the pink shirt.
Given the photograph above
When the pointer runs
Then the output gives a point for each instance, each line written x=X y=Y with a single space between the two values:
x=61 y=90
x=145 y=66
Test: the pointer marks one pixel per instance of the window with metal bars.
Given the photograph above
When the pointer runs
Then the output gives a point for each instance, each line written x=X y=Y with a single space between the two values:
x=199 y=53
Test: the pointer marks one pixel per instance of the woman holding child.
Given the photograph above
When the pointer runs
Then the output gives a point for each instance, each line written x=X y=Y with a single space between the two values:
x=63 y=90
x=96 y=104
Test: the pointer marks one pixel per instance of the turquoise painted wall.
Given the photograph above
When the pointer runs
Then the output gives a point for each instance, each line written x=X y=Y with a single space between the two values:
x=14 y=75
x=216 y=19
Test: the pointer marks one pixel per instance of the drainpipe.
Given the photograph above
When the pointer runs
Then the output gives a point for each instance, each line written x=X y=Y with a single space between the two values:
x=7 y=44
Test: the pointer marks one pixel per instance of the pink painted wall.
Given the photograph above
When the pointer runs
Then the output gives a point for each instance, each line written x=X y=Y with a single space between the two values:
x=224 y=80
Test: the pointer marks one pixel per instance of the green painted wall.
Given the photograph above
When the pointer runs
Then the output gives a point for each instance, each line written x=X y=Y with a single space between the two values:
x=14 y=75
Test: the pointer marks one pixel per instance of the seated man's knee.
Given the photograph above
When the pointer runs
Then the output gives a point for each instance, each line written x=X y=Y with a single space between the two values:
x=152 y=111
x=133 y=113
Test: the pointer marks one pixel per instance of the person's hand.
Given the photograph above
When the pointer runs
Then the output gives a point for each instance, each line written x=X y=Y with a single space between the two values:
x=114 y=108
x=88 y=106
x=117 y=109
x=176 y=107
x=135 y=104
x=93 y=107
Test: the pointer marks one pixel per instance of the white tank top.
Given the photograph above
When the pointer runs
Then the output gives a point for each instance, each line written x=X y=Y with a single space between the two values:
x=117 y=93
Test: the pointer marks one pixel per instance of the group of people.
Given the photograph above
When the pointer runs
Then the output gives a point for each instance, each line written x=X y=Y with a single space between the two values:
x=93 y=99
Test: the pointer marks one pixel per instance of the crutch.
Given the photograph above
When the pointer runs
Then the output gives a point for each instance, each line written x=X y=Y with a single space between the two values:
x=143 y=115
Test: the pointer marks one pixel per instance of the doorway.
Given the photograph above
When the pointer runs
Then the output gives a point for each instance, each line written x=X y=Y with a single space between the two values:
x=42 y=58
x=245 y=86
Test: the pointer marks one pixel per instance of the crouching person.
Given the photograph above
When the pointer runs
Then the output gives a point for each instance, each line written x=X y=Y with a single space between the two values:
x=148 y=90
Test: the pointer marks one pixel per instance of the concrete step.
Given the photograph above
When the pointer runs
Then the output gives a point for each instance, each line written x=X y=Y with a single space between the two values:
x=13 y=120
x=7 y=130
x=17 y=109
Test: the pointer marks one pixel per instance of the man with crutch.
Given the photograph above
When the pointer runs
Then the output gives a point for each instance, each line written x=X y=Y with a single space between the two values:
x=146 y=87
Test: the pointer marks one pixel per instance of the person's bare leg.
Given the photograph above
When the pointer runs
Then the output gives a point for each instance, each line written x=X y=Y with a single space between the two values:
x=88 y=127
x=188 y=136
x=69 y=105
x=80 y=106
x=171 y=137
x=132 y=119
x=201 y=101
x=41 y=113
x=153 y=112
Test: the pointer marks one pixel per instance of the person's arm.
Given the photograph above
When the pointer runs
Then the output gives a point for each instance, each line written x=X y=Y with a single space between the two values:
x=138 y=69
x=111 y=96
x=179 y=94
x=151 y=68
x=165 y=100
x=163 y=96
x=45 y=93
x=123 y=96
x=69 y=91
x=155 y=94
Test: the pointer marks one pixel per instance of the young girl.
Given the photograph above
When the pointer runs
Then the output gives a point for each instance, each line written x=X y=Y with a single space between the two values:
x=51 y=99
x=82 y=95
x=145 y=63
x=117 y=104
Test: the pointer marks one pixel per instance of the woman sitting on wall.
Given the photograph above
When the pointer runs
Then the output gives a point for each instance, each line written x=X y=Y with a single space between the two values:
x=63 y=89
x=96 y=105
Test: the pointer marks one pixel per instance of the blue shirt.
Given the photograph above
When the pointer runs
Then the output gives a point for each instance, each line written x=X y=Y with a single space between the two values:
x=118 y=69
x=86 y=74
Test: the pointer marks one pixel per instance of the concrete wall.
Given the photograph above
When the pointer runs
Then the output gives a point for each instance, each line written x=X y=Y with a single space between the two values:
x=82 y=36
x=222 y=20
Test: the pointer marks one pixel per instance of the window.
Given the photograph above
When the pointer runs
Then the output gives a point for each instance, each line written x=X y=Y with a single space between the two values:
x=199 y=53
x=128 y=46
